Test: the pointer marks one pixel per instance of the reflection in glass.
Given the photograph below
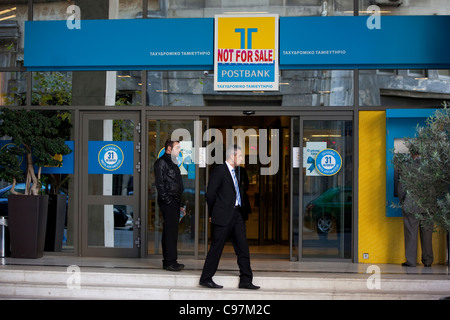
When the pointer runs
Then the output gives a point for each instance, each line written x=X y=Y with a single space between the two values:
x=206 y=9
x=297 y=88
x=52 y=10
x=13 y=88
x=178 y=88
x=127 y=9
x=51 y=88
x=111 y=184
x=13 y=14
x=110 y=226
x=411 y=88
x=111 y=130
x=128 y=88
x=61 y=235
x=327 y=200
x=110 y=88
x=159 y=132
x=316 y=87
x=63 y=186
x=117 y=184
x=156 y=5
x=114 y=9
x=58 y=87
x=403 y=8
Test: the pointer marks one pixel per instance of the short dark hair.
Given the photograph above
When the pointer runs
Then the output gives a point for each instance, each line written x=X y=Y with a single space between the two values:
x=232 y=150
x=170 y=142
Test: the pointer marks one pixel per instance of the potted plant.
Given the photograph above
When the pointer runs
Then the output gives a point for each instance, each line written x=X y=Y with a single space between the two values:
x=427 y=183
x=36 y=138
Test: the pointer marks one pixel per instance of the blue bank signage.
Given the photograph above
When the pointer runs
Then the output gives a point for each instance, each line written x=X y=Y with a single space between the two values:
x=348 y=42
x=153 y=44
x=188 y=44
x=111 y=157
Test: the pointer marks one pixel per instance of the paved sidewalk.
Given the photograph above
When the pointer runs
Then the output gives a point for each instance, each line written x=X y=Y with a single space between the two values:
x=228 y=263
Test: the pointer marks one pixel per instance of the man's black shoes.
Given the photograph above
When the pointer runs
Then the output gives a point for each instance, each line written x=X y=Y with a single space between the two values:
x=174 y=267
x=210 y=284
x=249 y=285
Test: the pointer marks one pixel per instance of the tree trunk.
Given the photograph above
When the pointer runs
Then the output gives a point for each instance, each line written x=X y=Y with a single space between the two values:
x=34 y=190
x=13 y=191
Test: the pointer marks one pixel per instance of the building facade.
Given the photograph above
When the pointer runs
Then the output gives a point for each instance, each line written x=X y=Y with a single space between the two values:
x=296 y=212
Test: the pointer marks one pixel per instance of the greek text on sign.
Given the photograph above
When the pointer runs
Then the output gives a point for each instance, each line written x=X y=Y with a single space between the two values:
x=110 y=157
x=328 y=162
x=310 y=152
x=245 y=55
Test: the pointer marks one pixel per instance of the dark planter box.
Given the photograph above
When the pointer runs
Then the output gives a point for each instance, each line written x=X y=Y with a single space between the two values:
x=56 y=219
x=27 y=224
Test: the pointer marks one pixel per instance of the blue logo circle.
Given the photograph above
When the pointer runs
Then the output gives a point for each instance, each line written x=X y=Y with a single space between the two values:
x=110 y=157
x=328 y=162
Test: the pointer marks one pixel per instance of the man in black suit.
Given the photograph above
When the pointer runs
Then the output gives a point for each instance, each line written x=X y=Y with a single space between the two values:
x=224 y=202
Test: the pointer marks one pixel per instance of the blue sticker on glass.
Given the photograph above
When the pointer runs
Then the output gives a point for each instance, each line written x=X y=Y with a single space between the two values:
x=328 y=162
x=110 y=157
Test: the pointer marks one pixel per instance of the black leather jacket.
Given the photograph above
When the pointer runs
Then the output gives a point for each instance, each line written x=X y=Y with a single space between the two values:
x=168 y=181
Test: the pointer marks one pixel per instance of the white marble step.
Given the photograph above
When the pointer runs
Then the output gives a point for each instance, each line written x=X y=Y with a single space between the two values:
x=41 y=291
x=110 y=283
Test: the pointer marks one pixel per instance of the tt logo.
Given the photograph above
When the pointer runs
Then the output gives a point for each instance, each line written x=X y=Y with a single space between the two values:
x=243 y=32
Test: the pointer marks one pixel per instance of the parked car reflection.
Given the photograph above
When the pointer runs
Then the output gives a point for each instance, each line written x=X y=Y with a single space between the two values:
x=324 y=213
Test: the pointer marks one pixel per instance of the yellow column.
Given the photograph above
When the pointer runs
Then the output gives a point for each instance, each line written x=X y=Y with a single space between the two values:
x=379 y=236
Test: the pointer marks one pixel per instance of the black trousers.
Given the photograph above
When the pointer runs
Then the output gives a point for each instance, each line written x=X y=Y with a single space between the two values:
x=236 y=230
x=169 y=241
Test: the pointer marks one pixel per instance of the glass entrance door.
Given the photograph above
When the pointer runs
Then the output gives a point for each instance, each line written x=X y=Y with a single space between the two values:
x=110 y=218
x=266 y=196
x=193 y=226
x=324 y=176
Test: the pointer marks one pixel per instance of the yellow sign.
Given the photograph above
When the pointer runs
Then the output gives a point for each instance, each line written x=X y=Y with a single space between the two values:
x=246 y=53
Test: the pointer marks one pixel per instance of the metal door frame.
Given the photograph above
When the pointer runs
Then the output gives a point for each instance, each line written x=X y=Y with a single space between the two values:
x=321 y=116
x=145 y=168
x=325 y=113
x=86 y=199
